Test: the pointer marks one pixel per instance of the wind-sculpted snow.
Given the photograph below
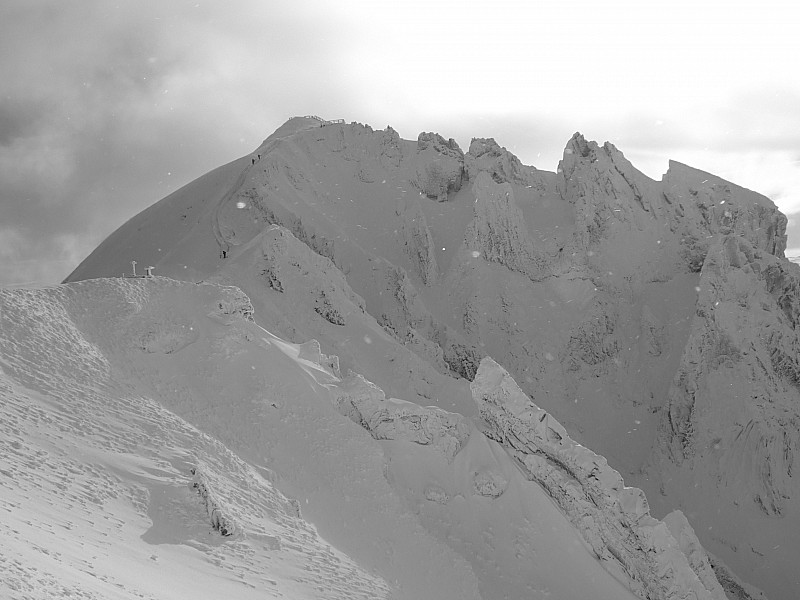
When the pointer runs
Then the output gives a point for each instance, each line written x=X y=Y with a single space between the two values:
x=613 y=519
x=105 y=493
x=217 y=513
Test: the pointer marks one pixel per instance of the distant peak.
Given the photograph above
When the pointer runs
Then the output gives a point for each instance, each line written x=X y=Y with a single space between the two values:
x=441 y=145
x=481 y=146
x=578 y=145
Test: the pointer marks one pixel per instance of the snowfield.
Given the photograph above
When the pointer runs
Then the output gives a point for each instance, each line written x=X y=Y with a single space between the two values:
x=160 y=444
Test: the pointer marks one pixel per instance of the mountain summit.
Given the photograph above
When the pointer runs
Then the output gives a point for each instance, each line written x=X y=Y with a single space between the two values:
x=478 y=325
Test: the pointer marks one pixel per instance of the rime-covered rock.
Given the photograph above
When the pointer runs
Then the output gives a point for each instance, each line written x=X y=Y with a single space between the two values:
x=218 y=516
x=604 y=189
x=440 y=166
x=744 y=332
x=417 y=241
x=497 y=231
x=592 y=341
x=288 y=263
x=392 y=419
x=703 y=205
x=485 y=154
x=682 y=531
x=390 y=153
x=407 y=318
x=730 y=429
x=613 y=519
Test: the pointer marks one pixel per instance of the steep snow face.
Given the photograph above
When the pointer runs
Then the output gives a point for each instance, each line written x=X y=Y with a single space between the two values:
x=583 y=284
x=732 y=422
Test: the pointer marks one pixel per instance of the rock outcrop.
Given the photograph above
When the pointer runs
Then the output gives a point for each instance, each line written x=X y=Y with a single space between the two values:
x=684 y=534
x=745 y=333
x=286 y=262
x=604 y=189
x=613 y=519
x=440 y=166
x=592 y=342
x=391 y=153
x=485 y=154
x=392 y=419
x=730 y=429
x=497 y=231
x=418 y=241
x=407 y=318
x=703 y=205
x=218 y=516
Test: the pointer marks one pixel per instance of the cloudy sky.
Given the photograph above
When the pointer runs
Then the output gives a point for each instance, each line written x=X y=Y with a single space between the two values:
x=106 y=107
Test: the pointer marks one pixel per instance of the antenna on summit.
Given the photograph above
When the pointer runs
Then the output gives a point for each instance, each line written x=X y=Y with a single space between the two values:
x=133 y=265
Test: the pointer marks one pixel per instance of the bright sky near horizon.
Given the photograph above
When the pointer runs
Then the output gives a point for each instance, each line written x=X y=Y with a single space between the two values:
x=106 y=107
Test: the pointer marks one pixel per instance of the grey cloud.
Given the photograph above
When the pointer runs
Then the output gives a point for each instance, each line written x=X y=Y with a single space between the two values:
x=89 y=134
x=19 y=119
x=763 y=119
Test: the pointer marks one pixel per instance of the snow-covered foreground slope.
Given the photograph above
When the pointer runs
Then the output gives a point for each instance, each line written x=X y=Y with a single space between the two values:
x=160 y=444
x=107 y=494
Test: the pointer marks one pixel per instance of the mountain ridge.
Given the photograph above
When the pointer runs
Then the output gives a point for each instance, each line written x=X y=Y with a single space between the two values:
x=586 y=284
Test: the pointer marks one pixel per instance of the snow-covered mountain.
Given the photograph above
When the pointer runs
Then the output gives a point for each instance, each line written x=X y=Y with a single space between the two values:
x=481 y=324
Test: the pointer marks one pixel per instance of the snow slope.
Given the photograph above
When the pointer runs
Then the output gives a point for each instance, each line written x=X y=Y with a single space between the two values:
x=107 y=494
x=163 y=445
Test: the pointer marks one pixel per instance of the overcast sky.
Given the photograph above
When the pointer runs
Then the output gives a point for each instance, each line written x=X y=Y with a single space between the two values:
x=106 y=107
